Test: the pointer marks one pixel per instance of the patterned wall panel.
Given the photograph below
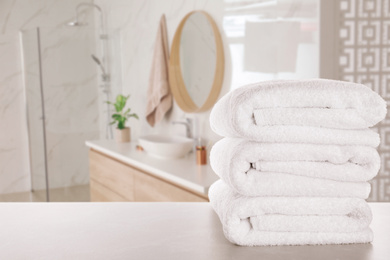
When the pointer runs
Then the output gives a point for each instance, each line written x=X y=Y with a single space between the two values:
x=364 y=57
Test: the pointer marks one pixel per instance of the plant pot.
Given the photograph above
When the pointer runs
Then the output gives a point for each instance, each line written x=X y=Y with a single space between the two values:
x=122 y=135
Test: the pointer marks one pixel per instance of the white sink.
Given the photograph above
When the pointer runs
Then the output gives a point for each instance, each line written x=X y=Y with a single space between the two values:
x=166 y=147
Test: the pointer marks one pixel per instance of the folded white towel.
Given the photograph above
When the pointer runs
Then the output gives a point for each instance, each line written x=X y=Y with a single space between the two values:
x=251 y=221
x=334 y=162
x=285 y=169
x=311 y=111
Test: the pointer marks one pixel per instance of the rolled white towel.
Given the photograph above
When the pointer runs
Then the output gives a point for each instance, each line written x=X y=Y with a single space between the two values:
x=261 y=221
x=285 y=169
x=296 y=111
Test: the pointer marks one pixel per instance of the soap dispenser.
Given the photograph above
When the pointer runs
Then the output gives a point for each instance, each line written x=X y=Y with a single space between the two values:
x=201 y=153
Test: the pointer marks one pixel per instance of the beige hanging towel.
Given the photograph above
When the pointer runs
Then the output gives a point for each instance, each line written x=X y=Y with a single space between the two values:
x=159 y=96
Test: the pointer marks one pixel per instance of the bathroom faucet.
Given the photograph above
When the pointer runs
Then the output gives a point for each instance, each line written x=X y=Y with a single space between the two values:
x=188 y=125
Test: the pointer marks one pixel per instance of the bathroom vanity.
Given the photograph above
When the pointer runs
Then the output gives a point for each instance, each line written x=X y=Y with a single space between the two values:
x=120 y=172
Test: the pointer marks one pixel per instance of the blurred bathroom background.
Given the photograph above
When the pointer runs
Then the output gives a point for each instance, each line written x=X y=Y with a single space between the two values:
x=61 y=60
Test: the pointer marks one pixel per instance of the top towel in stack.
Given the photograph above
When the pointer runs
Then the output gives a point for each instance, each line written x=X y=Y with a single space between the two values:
x=316 y=111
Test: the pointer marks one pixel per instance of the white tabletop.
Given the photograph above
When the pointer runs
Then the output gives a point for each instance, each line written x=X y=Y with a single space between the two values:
x=152 y=231
x=183 y=172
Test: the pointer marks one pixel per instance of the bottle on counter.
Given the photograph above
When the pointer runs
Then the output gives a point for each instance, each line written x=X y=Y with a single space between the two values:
x=201 y=153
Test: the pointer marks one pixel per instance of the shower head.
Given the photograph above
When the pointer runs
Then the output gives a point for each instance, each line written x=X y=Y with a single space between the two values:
x=76 y=19
x=76 y=23
x=96 y=59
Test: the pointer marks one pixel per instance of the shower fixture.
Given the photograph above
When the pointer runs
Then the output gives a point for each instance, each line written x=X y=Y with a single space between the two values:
x=98 y=62
x=105 y=76
x=103 y=63
x=77 y=22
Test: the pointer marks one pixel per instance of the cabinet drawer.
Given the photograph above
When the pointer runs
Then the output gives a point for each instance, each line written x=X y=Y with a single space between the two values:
x=148 y=188
x=111 y=180
x=100 y=193
x=112 y=174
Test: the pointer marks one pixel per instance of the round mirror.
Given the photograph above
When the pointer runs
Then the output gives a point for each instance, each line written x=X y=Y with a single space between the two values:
x=196 y=64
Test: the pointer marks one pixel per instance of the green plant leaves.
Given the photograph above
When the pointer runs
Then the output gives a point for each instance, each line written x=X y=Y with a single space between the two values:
x=133 y=115
x=121 y=117
x=116 y=116
x=127 y=112
x=121 y=124
x=120 y=102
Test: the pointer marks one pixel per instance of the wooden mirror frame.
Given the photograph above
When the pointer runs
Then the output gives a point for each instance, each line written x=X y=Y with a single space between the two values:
x=176 y=81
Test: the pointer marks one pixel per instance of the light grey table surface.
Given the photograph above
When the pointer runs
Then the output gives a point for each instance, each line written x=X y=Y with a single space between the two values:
x=152 y=231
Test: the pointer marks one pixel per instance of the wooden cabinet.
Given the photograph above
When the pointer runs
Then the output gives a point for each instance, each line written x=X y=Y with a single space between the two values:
x=112 y=180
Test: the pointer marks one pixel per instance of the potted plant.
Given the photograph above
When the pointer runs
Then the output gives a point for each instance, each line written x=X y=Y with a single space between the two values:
x=120 y=117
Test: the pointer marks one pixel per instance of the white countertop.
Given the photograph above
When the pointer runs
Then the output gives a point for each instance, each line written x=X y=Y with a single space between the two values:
x=135 y=230
x=184 y=172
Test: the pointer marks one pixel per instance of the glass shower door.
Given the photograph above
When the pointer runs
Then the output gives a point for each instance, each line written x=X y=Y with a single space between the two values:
x=35 y=113
x=63 y=104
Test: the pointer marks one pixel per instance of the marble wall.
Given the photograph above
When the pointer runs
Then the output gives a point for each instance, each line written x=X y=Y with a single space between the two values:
x=138 y=23
x=17 y=15
x=135 y=24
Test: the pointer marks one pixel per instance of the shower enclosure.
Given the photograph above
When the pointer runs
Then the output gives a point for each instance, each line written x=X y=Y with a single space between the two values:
x=66 y=92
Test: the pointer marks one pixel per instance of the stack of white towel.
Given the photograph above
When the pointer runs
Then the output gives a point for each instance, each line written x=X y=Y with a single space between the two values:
x=295 y=162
